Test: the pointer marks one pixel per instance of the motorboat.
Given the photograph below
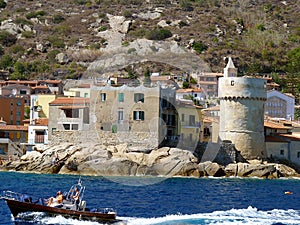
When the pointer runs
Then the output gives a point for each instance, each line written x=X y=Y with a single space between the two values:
x=20 y=203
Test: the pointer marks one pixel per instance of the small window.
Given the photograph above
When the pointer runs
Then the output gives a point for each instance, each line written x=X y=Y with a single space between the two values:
x=281 y=152
x=103 y=97
x=23 y=92
x=138 y=115
x=86 y=95
x=182 y=117
x=138 y=97
x=121 y=97
x=74 y=126
x=19 y=103
x=66 y=126
x=72 y=113
x=120 y=115
x=298 y=154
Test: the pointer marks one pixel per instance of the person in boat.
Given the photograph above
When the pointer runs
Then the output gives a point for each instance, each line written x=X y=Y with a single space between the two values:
x=75 y=197
x=55 y=201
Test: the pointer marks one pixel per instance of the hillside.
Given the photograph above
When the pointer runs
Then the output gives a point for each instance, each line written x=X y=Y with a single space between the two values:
x=262 y=36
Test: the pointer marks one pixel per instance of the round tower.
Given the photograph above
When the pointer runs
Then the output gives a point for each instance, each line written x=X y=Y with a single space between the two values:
x=242 y=112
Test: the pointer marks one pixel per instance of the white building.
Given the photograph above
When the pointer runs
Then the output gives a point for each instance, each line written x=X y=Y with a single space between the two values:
x=280 y=105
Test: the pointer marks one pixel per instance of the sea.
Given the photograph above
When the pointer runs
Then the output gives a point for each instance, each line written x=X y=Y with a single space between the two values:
x=164 y=201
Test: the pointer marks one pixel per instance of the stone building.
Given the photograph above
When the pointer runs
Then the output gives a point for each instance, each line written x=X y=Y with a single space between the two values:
x=68 y=114
x=140 y=115
x=242 y=112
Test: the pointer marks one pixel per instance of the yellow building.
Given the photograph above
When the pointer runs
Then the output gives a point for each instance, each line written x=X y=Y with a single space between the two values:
x=189 y=124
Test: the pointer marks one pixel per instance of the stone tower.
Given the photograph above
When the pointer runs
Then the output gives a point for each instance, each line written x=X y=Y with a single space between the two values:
x=242 y=112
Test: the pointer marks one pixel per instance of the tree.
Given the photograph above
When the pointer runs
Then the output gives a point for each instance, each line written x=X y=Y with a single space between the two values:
x=297 y=114
x=6 y=61
x=294 y=60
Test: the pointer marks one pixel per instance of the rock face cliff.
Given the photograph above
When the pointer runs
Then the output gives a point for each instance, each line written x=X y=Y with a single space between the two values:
x=101 y=160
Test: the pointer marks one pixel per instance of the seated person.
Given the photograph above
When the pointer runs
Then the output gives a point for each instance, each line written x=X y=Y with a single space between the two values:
x=55 y=201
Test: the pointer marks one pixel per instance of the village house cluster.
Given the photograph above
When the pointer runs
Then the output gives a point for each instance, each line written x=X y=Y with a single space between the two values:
x=160 y=113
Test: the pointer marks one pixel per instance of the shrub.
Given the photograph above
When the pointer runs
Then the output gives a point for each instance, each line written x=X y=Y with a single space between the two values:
x=36 y=14
x=138 y=33
x=63 y=29
x=127 y=14
x=199 y=47
x=1 y=50
x=58 y=18
x=102 y=28
x=158 y=34
x=2 y=4
x=27 y=34
x=17 y=49
x=23 y=21
x=51 y=55
x=7 y=39
x=56 y=42
x=6 y=61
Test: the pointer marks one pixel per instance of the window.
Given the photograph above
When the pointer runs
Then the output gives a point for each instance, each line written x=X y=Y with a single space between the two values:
x=53 y=130
x=72 y=113
x=192 y=120
x=281 y=152
x=182 y=117
x=298 y=154
x=22 y=92
x=19 y=103
x=138 y=115
x=86 y=95
x=103 y=97
x=75 y=126
x=138 y=97
x=191 y=137
x=120 y=115
x=66 y=126
x=121 y=97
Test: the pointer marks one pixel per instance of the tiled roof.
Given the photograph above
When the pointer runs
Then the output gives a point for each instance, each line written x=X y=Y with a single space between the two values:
x=50 y=81
x=42 y=122
x=40 y=87
x=188 y=90
x=70 y=101
x=84 y=86
x=275 y=125
x=14 y=127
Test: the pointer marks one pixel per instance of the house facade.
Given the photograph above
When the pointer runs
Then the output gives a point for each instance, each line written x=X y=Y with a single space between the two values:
x=139 y=115
x=281 y=143
x=12 y=109
x=68 y=114
x=189 y=124
x=280 y=105
x=209 y=83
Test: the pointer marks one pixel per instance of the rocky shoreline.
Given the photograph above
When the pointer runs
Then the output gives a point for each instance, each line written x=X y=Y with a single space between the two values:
x=101 y=160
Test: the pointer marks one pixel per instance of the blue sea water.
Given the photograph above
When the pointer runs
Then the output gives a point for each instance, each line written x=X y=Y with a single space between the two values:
x=179 y=201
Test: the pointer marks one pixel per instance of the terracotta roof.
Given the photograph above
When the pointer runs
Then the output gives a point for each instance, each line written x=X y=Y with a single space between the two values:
x=213 y=108
x=73 y=107
x=40 y=87
x=50 y=81
x=275 y=125
x=14 y=127
x=84 y=86
x=188 y=90
x=70 y=101
x=42 y=121
x=290 y=137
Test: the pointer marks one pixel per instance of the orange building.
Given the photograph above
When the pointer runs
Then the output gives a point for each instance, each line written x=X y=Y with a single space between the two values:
x=12 y=110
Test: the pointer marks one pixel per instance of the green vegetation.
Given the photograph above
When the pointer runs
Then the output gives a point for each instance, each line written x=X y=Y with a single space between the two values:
x=37 y=14
x=58 y=18
x=199 y=47
x=2 y=4
x=7 y=39
x=158 y=34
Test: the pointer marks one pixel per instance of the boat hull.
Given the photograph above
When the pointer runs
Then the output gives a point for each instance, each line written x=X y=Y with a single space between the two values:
x=17 y=207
